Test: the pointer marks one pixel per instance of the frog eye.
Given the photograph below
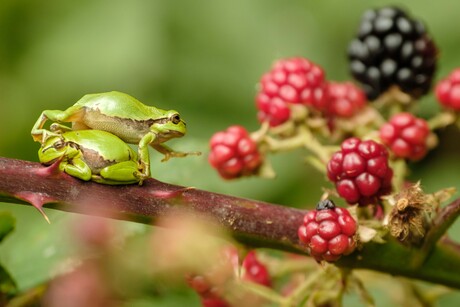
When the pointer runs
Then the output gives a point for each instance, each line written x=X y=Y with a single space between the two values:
x=59 y=144
x=175 y=119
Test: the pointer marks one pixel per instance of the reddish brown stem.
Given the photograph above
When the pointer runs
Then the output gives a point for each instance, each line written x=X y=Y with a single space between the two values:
x=254 y=223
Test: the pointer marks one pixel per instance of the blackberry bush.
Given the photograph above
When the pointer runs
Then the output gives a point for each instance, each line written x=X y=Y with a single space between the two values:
x=392 y=49
x=391 y=225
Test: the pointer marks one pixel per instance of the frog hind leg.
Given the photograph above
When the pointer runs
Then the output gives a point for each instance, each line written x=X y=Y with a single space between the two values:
x=121 y=173
x=72 y=114
x=78 y=168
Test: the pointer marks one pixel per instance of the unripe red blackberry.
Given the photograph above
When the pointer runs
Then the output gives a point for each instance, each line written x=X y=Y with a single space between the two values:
x=391 y=48
x=448 y=91
x=208 y=293
x=293 y=80
x=406 y=136
x=345 y=99
x=328 y=231
x=234 y=153
x=275 y=111
x=360 y=171
x=255 y=271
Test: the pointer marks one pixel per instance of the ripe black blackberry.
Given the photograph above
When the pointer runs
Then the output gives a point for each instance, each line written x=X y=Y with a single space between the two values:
x=392 y=49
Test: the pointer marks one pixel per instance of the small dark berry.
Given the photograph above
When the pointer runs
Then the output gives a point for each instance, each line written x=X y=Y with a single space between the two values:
x=325 y=204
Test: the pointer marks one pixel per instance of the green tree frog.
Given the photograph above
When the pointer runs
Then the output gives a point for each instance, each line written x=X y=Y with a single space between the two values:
x=122 y=115
x=93 y=155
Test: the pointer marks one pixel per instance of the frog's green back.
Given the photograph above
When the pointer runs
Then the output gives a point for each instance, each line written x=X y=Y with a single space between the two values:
x=106 y=144
x=118 y=104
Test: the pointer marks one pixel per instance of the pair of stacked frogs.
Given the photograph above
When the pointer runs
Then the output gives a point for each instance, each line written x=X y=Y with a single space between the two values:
x=95 y=147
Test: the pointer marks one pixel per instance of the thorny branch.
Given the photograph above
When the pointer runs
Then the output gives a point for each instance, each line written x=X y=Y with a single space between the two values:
x=250 y=222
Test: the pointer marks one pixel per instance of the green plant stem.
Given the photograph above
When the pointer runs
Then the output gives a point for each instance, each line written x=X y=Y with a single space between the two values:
x=441 y=120
x=302 y=291
x=262 y=291
x=443 y=220
x=399 y=174
x=303 y=138
x=254 y=223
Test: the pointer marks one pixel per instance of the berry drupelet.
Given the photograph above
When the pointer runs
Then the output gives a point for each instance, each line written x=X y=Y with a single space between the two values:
x=406 y=136
x=360 y=171
x=290 y=81
x=345 y=99
x=234 y=153
x=448 y=91
x=392 y=49
x=329 y=232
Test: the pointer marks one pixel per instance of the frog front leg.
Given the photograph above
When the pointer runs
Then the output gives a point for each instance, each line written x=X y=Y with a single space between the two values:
x=72 y=114
x=78 y=168
x=143 y=153
x=170 y=153
x=121 y=173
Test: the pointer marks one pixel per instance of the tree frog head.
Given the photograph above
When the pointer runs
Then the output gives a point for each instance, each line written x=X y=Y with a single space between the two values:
x=53 y=149
x=170 y=126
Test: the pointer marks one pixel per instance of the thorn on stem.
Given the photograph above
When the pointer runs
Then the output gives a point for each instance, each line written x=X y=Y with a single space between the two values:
x=37 y=200
x=51 y=170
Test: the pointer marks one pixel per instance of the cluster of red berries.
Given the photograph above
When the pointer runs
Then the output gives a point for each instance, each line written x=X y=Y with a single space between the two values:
x=329 y=232
x=209 y=294
x=406 y=136
x=253 y=271
x=234 y=153
x=448 y=91
x=300 y=81
x=360 y=171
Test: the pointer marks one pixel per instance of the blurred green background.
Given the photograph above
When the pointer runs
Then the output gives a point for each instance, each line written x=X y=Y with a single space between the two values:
x=203 y=58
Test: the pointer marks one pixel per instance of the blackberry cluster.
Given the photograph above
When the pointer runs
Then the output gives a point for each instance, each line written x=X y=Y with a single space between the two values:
x=329 y=231
x=255 y=271
x=391 y=49
x=360 y=171
x=233 y=153
x=290 y=81
x=448 y=91
x=406 y=136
